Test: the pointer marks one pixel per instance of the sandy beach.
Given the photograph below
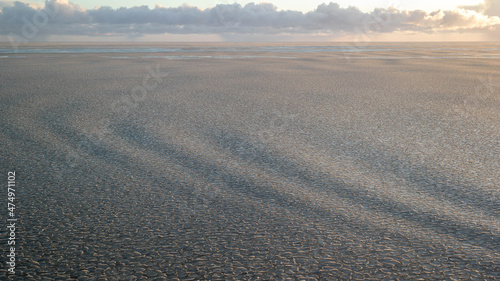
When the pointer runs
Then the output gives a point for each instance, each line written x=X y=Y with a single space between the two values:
x=253 y=161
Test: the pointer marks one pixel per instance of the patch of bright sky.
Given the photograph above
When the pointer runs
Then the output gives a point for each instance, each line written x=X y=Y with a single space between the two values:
x=304 y=6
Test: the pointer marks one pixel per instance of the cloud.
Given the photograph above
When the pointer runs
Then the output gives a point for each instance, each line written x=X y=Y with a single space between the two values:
x=492 y=7
x=60 y=17
x=5 y=4
x=489 y=7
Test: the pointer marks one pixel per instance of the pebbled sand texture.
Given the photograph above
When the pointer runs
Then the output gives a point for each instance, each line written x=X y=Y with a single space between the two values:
x=254 y=164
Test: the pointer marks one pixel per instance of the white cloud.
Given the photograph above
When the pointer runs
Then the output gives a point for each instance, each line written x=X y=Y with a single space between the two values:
x=61 y=17
x=489 y=7
x=32 y=3
x=492 y=7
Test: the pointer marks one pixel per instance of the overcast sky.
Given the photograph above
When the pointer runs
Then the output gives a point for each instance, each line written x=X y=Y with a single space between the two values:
x=279 y=20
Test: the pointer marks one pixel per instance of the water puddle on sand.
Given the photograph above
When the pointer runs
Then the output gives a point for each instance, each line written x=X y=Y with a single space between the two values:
x=15 y=57
x=275 y=51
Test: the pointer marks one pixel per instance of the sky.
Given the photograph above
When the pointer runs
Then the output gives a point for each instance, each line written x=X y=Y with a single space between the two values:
x=226 y=20
x=303 y=6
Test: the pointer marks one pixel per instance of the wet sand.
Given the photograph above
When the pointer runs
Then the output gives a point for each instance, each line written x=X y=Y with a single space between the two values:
x=229 y=165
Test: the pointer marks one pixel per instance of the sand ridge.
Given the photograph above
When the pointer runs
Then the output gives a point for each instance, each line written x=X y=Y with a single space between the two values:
x=306 y=165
